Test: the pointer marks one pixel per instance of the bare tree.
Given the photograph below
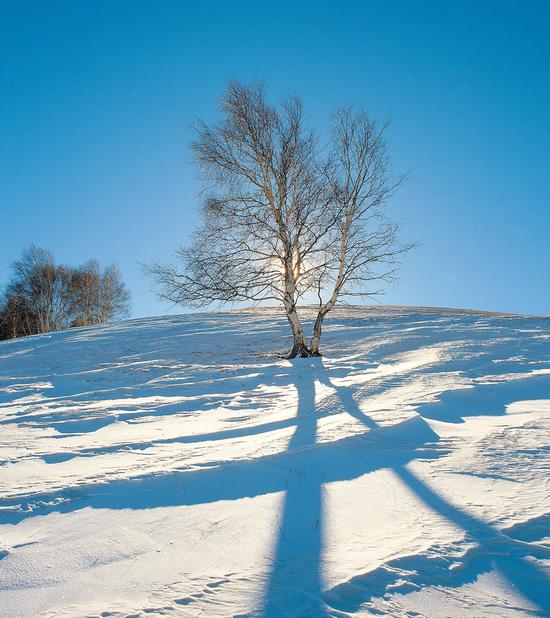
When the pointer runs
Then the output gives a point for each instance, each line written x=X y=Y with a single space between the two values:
x=85 y=294
x=43 y=296
x=98 y=296
x=35 y=280
x=114 y=298
x=279 y=220
x=16 y=316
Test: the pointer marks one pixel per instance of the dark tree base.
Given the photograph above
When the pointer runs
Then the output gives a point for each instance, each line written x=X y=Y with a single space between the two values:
x=301 y=352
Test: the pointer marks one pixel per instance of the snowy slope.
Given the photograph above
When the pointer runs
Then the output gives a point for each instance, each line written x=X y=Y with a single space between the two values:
x=175 y=466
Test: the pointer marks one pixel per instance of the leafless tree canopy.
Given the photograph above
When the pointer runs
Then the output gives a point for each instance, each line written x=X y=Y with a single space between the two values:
x=44 y=297
x=281 y=218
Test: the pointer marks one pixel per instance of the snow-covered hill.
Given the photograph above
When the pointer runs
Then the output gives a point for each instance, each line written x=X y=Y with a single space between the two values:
x=175 y=466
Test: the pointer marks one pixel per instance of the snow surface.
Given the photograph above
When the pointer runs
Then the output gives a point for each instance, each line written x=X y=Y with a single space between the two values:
x=175 y=466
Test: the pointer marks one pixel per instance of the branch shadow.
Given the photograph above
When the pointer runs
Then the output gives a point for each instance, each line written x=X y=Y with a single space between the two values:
x=295 y=582
x=495 y=549
x=226 y=480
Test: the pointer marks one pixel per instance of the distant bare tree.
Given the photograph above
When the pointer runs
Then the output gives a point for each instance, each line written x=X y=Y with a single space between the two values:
x=85 y=294
x=16 y=317
x=37 y=284
x=279 y=220
x=114 y=298
x=98 y=296
x=44 y=297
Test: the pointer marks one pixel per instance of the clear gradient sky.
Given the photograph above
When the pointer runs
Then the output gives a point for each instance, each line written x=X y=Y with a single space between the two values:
x=96 y=98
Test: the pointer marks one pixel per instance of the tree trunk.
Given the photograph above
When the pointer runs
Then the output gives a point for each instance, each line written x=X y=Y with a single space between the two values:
x=314 y=348
x=299 y=348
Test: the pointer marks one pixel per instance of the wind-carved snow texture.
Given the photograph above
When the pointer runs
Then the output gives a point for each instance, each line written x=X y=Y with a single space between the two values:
x=176 y=466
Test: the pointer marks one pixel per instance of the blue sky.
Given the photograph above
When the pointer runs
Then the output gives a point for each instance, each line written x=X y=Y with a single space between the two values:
x=96 y=99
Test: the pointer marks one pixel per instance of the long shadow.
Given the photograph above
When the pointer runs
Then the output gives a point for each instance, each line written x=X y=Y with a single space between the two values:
x=294 y=585
x=495 y=549
x=333 y=461
x=295 y=578
x=295 y=582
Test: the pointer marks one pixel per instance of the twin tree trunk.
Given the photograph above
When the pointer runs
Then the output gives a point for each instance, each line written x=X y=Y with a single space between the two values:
x=314 y=349
x=300 y=347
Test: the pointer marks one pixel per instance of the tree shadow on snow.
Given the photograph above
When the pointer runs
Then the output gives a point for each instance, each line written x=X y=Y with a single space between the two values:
x=295 y=579
x=504 y=551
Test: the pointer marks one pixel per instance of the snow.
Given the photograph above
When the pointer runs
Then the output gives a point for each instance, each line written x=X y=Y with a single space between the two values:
x=176 y=466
